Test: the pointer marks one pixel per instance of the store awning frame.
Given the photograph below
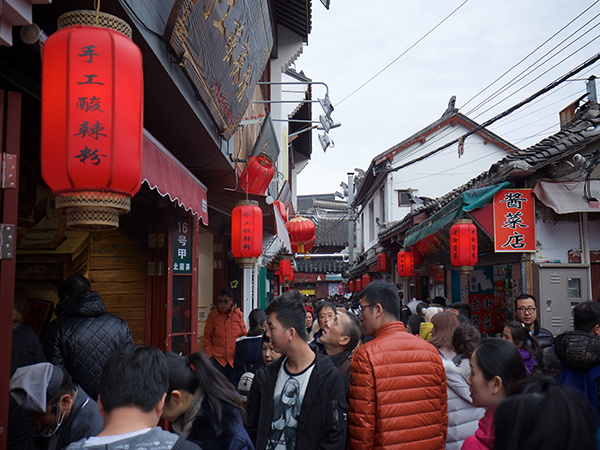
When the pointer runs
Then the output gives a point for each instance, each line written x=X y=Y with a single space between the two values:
x=164 y=173
x=566 y=197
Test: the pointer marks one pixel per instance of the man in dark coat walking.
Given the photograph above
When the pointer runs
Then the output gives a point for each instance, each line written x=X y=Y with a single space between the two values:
x=83 y=335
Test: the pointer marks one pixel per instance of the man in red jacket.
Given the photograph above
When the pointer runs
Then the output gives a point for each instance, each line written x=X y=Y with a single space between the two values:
x=224 y=325
x=397 y=381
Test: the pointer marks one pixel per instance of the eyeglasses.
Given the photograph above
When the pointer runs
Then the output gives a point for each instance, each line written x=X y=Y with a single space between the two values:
x=361 y=308
x=528 y=309
x=224 y=301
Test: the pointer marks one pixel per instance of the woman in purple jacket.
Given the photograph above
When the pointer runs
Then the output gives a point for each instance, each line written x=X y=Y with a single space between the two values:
x=528 y=345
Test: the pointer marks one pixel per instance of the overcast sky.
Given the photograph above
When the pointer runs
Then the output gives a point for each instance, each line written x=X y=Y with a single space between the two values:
x=354 y=40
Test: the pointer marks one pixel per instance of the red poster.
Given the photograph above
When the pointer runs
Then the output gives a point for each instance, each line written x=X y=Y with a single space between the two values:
x=514 y=221
x=482 y=312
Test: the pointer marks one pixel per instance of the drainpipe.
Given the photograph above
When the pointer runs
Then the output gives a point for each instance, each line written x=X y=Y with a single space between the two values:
x=350 y=218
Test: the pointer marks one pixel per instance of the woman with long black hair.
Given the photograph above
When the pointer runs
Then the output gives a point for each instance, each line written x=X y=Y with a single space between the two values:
x=202 y=406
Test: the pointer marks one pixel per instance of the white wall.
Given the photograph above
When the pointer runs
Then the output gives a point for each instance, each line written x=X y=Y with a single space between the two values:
x=556 y=234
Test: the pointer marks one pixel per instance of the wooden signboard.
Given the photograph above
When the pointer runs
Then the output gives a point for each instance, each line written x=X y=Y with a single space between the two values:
x=223 y=47
x=514 y=221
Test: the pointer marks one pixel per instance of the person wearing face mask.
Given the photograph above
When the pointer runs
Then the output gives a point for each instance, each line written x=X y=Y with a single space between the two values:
x=61 y=412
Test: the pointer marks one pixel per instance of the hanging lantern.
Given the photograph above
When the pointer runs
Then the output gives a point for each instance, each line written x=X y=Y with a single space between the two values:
x=352 y=286
x=406 y=264
x=383 y=262
x=463 y=246
x=290 y=277
x=358 y=285
x=301 y=231
x=307 y=246
x=257 y=175
x=282 y=210
x=92 y=118
x=246 y=232
x=366 y=279
x=285 y=268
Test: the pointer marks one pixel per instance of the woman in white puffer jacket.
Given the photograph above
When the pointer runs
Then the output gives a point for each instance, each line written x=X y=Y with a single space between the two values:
x=463 y=417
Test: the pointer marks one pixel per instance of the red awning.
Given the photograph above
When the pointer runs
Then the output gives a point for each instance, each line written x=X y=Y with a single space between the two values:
x=163 y=172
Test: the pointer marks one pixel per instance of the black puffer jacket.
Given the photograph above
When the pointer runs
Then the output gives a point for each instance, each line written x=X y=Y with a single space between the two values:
x=82 y=337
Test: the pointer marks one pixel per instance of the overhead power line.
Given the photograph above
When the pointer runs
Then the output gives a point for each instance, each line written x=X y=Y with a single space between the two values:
x=494 y=119
x=402 y=54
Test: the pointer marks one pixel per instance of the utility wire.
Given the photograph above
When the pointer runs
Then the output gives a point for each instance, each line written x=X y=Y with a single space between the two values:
x=494 y=119
x=403 y=53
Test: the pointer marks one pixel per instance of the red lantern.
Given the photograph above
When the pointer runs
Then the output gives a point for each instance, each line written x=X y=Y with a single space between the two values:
x=383 y=262
x=246 y=232
x=366 y=279
x=358 y=285
x=352 y=286
x=285 y=268
x=301 y=231
x=463 y=245
x=257 y=175
x=307 y=246
x=282 y=210
x=92 y=122
x=406 y=264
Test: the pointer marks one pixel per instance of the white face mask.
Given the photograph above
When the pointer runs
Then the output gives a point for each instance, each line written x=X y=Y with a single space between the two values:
x=59 y=416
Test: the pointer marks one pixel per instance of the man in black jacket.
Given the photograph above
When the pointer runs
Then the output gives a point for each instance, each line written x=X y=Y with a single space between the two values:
x=297 y=401
x=526 y=313
x=83 y=335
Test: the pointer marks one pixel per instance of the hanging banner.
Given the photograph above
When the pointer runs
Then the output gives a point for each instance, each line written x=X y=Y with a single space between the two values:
x=223 y=47
x=182 y=245
x=514 y=221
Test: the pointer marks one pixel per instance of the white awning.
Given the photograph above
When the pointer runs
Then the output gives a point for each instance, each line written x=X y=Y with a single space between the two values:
x=566 y=197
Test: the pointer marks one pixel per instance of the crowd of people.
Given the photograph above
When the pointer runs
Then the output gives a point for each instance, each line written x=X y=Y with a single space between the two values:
x=362 y=373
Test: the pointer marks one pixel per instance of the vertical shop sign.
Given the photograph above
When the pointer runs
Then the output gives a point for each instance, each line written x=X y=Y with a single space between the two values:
x=514 y=221
x=182 y=245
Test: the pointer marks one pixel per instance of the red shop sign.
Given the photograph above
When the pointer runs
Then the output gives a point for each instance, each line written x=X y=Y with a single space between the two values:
x=514 y=221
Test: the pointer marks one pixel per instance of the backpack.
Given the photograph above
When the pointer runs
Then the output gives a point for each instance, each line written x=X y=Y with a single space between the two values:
x=244 y=385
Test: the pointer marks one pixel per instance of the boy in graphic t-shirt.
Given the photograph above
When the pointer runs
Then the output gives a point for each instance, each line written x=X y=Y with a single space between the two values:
x=298 y=401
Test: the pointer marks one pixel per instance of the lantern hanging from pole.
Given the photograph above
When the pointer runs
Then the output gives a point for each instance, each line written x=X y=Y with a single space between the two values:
x=383 y=262
x=358 y=285
x=307 y=246
x=285 y=268
x=282 y=210
x=366 y=279
x=92 y=118
x=406 y=263
x=463 y=246
x=257 y=175
x=352 y=286
x=301 y=231
x=290 y=278
x=246 y=232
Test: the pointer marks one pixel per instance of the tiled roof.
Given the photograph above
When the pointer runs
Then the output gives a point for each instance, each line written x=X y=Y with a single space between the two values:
x=324 y=264
x=584 y=129
x=332 y=231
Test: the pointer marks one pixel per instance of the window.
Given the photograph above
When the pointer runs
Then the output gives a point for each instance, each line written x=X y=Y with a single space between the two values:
x=403 y=198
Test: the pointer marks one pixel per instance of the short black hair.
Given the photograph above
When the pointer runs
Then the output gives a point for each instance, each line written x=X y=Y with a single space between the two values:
x=225 y=292
x=352 y=329
x=384 y=293
x=440 y=300
x=464 y=309
x=322 y=305
x=74 y=286
x=524 y=297
x=420 y=307
x=541 y=413
x=134 y=377
x=499 y=358
x=586 y=315
x=290 y=312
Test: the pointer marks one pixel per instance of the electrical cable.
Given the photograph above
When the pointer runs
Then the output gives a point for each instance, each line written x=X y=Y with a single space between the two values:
x=402 y=54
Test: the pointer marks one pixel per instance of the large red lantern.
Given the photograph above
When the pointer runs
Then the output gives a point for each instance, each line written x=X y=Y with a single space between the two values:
x=282 y=210
x=383 y=262
x=257 y=175
x=352 y=286
x=246 y=232
x=406 y=263
x=366 y=279
x=301 y=231
x=358 y=285
x=463 y=246
x=307 y=245
x=92 y=119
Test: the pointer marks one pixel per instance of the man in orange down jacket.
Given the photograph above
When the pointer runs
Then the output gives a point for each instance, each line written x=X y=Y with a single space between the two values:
x=397 y=396
x=224 y=325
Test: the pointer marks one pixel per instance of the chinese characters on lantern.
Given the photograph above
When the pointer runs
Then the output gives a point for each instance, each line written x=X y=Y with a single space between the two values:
x=514 y=221
x=89 y=125
x=182 y=245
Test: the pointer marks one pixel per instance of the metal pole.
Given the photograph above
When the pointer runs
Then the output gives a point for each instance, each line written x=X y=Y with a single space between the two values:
x=350 y=217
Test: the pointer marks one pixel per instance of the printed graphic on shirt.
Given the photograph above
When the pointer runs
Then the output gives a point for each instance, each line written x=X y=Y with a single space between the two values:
x=287 y=403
